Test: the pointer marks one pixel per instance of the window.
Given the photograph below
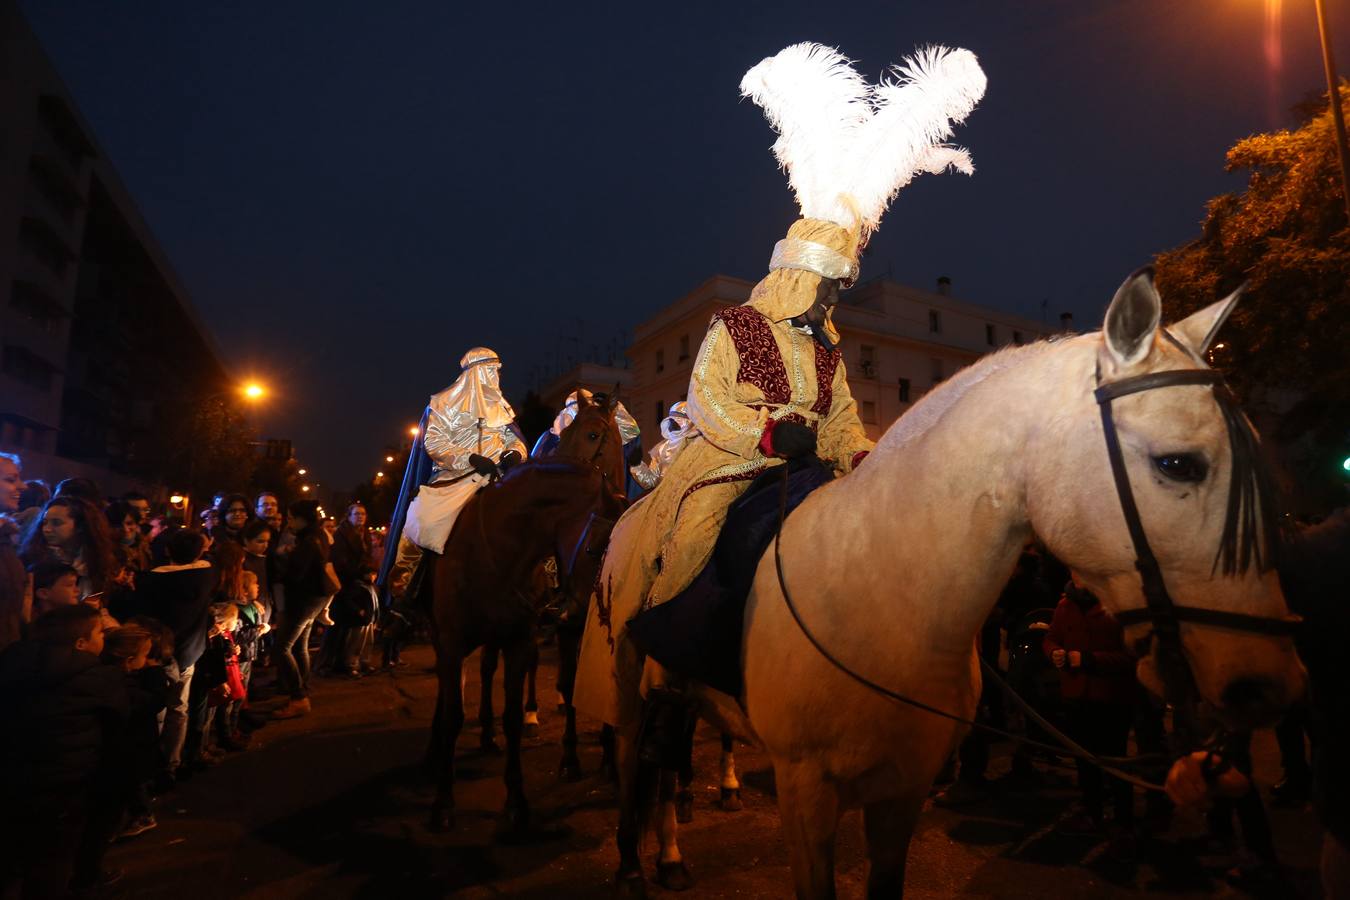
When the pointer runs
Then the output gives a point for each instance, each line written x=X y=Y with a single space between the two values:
x=869 y=412
x=867 y=360
x=934 y=321
x=27 y=367
x=989 y=335
x=1017 y=337
x=660 y=414
x=904 y=390
x=684 y=347
x=937 y=369
x=660 y=360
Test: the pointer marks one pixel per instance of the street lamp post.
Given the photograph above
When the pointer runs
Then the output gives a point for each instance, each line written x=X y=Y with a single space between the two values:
x=1334 y=96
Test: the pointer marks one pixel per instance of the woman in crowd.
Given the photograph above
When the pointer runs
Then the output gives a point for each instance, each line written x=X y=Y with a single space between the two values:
x=234 y=515
x=129 y=548
x=73 y=531
x=13 y=581
x=308 y=574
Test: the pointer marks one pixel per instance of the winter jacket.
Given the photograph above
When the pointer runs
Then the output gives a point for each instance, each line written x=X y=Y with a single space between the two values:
x=137 y=757
x=1081 y=623
x=304 y=568
x=60 y=712
x=350 y=552
x=180 y=597
x=13 y=584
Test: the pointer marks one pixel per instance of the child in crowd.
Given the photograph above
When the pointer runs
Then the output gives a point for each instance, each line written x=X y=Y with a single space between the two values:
x=55 y=584
x=61 y=711
x=218 y=680
x=252 y=626
x=132 y=648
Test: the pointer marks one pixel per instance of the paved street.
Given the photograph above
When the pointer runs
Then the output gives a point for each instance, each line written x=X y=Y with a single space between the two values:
x=334 y=806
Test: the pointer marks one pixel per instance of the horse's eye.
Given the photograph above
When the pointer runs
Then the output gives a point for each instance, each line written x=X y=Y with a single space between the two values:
x=594 y=435
x=1187 y=467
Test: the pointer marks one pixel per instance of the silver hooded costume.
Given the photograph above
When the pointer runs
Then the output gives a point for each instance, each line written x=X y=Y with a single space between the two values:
x=628 y=426
x=469 y=417
x=676 y=429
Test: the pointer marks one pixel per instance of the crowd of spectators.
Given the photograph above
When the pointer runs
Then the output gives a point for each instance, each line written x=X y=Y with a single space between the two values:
x=128 y=643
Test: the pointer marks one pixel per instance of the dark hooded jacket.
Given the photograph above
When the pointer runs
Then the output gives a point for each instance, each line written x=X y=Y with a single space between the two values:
x=180 y=597
x=60 y=711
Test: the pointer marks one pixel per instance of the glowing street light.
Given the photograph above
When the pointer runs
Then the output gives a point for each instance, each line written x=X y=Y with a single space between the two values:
x=254 y=391
x=413 y=431
x=304 y=488
x=379 y=474
x=177 y=499
x=302 y=471
x=388 y=459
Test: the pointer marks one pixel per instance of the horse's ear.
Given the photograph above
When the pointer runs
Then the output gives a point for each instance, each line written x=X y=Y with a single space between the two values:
x=614 y=396
x=1132 y=320
x=1197 y=331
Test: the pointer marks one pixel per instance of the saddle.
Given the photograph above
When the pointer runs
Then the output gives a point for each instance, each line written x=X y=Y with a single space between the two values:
x=697 y=633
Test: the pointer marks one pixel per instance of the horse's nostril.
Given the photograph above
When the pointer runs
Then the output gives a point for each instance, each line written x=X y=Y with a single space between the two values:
x=1252 y=695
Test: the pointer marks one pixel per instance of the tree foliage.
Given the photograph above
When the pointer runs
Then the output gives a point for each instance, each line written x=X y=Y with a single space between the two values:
x=214 y=448
x=1286 y=236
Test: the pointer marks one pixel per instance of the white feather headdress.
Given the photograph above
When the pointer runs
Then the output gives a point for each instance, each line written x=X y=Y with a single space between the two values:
x=848 y=147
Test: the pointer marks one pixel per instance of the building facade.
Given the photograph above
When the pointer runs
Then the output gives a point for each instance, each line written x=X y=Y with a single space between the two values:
x=898 y=342
x=91 y=312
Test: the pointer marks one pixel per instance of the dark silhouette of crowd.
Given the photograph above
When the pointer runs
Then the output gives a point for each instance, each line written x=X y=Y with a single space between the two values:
x=129 y=641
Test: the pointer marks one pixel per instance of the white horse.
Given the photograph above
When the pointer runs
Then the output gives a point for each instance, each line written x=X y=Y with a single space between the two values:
x=894 y=568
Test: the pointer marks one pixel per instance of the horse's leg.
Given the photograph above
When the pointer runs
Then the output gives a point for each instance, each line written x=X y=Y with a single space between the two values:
x=731 y=785
x=684 y=796
x=671 y=872
x=609 y=767
x=889 y=825
x=570 y=767
x=634 y=784
x=516 y=816
x=450 y=712
x=809 y=809
x=531 y=704
x=487 y=670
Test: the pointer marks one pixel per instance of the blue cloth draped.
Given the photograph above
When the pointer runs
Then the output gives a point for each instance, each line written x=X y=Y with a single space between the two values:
x=697 y=633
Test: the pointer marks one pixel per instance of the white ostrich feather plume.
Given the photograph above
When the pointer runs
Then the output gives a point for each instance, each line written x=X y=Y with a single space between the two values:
x=847 y=146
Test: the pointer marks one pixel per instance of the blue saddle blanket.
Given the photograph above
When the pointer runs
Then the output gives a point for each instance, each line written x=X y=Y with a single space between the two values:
x=697 y=633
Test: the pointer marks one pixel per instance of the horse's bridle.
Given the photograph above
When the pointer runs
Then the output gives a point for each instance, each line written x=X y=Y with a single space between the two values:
x=1159 y=610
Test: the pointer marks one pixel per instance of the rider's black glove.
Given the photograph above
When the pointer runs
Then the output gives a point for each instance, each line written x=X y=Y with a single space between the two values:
x=509 y=459
x=482 y=465
x=792 y=440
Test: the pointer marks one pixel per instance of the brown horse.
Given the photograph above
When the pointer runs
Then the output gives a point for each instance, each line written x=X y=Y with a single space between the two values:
x=479 y=586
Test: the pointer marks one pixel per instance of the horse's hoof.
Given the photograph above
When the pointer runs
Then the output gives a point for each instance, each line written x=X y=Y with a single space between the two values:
x=630 y=885
x=674 y=876
x=684 y=806
x=514 y=825
x=731 y=800
x=569 y=769
x=489 y=746
x=441 y=821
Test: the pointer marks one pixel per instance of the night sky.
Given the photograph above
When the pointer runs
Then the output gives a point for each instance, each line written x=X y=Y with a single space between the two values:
x=356 y=193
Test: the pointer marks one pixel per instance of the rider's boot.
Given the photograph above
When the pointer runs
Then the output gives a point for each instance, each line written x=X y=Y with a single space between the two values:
x=663 y=735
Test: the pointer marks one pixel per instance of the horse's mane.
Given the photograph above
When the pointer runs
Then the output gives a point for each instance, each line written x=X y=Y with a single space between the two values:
x=935 y=404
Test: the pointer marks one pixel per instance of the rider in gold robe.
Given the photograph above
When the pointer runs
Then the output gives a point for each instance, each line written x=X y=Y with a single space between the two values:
x=768 y=384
